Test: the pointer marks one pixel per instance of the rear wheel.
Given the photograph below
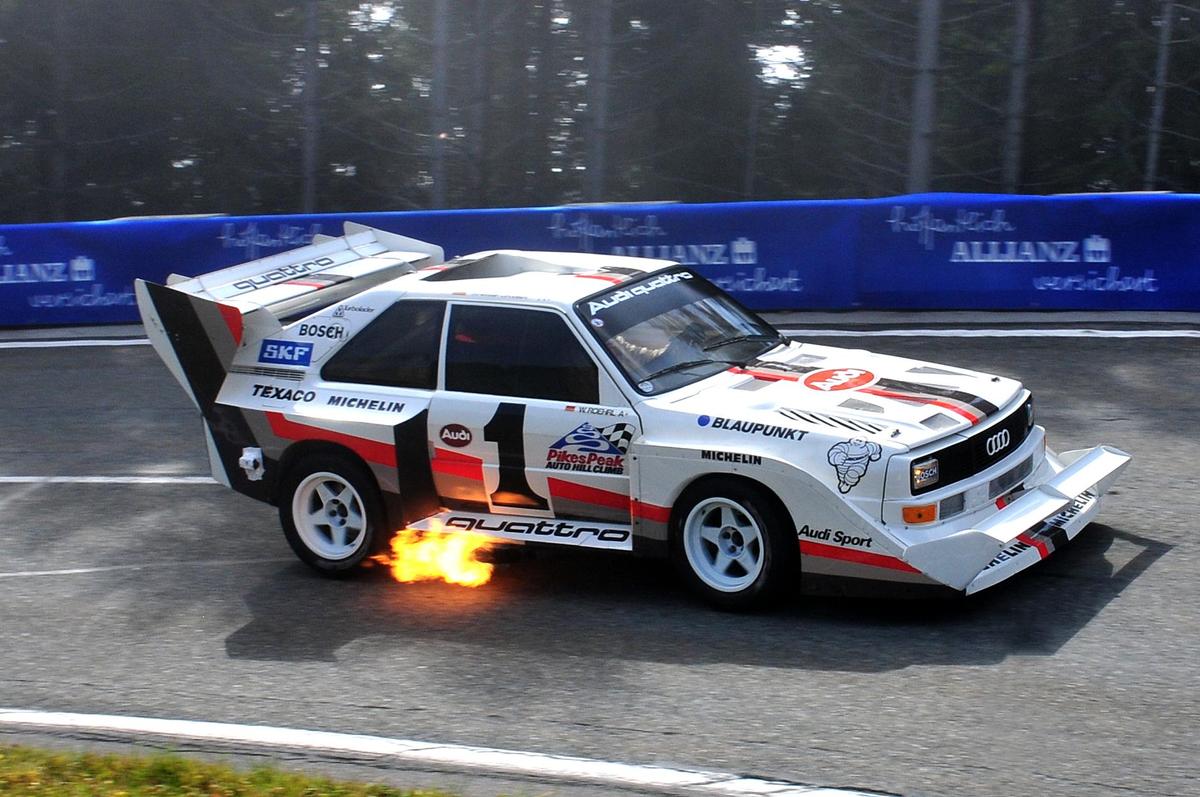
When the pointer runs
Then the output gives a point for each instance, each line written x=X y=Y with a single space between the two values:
x=331 y=512
x=733 y=546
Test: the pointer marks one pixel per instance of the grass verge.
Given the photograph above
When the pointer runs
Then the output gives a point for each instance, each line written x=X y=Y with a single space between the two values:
x=29 y=771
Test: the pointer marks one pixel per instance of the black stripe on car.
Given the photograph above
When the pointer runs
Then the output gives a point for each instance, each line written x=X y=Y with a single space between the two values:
x=414 y=474
x=205 y=373
x=983 y=405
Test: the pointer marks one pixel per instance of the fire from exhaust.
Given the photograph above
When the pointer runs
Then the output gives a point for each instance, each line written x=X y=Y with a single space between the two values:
x=435 y=555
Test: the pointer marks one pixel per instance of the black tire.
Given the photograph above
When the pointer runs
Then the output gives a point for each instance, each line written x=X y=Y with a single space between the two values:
x=331 y=512
x=761 y=554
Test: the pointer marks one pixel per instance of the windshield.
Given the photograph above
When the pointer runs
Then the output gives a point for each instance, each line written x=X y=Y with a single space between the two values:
x=674 y=328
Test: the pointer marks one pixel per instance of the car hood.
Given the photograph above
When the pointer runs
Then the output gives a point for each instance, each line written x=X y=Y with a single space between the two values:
x=851 y=392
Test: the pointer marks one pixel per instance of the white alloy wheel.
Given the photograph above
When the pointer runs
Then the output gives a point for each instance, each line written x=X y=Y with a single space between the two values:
x=724 y=544
x=329 y=516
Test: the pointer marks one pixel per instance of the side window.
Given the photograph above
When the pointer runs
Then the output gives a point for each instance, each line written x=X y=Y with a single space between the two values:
x=509 y=351
x=397 y=349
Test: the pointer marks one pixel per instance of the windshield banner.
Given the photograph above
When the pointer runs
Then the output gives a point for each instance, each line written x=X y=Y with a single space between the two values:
x=935 y=251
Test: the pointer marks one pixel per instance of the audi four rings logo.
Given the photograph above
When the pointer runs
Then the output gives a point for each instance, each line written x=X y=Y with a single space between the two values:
x=998 y=442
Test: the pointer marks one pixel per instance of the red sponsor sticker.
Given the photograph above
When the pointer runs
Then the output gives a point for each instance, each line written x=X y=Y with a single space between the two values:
x=839 y=379
x=455 y=435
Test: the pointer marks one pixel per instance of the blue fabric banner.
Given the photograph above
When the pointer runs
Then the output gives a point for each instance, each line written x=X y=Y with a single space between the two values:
x=935 y=251
x=1098 y=252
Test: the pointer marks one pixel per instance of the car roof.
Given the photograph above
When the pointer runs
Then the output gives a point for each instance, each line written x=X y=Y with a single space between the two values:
x=560 y=278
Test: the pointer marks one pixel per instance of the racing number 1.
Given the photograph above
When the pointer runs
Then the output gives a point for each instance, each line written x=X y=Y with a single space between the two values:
x=507 y=430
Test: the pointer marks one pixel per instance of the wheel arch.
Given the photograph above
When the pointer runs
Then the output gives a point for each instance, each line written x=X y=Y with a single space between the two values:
x=710 y=481
x=338 y=462
x=298 y=451
x=779 y=556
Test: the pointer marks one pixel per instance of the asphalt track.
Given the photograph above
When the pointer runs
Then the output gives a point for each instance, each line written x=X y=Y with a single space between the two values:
x=1077 y=677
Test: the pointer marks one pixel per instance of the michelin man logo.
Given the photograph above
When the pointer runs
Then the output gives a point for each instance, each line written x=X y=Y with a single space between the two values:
x=851 y=459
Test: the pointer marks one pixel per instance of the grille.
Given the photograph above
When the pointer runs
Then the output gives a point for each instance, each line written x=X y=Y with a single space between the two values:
x=980 y=451
x=277 y=373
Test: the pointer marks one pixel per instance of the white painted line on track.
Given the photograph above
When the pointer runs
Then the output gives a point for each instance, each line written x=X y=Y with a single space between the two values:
x=107 y=480
x=821 y=332
x=512 y=762
x=72 y=344
x=77 y=571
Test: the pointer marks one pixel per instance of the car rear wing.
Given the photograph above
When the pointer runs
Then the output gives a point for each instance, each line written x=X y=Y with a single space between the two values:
x=196 y=324
x=320 y=274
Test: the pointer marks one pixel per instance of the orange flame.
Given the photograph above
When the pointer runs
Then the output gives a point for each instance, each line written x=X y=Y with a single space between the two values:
x=432 y=555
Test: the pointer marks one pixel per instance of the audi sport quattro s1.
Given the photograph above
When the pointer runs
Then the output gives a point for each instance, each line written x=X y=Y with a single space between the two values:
x=363 y=385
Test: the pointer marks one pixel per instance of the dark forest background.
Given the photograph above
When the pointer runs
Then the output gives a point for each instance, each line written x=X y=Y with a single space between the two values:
x=136 y=107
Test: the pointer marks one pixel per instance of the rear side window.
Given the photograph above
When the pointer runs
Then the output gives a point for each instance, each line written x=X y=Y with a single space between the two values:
x=508 y=351
x=397 y=349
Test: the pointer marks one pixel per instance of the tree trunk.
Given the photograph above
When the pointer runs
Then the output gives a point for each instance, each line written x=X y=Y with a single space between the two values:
x=59 y=139
x=441 y=122
x=481 y=99
x=311 y=114
x=1160 y=95
x=751 y=166
x=543 y=103
x=598 y=79
x=1014 y=123
x=920 y=151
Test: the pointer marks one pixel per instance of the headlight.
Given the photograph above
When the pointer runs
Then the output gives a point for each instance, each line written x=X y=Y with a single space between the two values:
x=925 y=473
x=1029 y=413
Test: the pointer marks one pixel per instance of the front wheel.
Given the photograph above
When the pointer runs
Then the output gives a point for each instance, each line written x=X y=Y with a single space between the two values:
x=331 y=513
x=733 y=546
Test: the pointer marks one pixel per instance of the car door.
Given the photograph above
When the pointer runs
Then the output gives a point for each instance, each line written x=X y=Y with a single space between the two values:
x=528 y=423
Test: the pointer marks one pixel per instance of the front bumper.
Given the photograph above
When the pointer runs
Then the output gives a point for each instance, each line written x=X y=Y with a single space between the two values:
x=1027 y=530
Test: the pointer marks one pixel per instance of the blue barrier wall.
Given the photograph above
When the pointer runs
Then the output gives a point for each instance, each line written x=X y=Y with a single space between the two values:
x=933 y=251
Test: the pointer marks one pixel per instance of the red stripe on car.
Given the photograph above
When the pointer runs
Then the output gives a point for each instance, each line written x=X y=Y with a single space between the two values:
x=957 y=409
x=659 y=514
x=587 y=495
x=765 y=376
x=233 y=320
x=452 y=463
x=370 y=450
x=857 y=557
x=1042 y=550
x=605 y=277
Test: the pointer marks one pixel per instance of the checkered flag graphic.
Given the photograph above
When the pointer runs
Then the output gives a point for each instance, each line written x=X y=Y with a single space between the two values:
x=619 y=434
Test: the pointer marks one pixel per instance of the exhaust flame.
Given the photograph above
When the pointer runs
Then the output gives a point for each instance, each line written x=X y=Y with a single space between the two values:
x=433 y=555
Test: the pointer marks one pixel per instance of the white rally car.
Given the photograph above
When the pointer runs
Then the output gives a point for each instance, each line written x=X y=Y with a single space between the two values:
x=364 y=385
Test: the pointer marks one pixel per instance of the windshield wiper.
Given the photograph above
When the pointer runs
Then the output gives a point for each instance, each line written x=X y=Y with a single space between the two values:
x=683 y=366
x=778 y=338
